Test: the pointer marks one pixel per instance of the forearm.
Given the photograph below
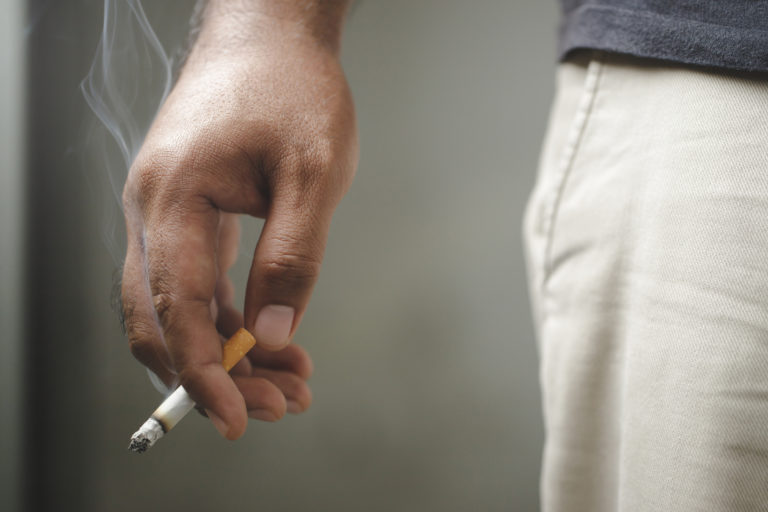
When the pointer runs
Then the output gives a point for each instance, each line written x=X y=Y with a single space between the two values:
x=317 y=22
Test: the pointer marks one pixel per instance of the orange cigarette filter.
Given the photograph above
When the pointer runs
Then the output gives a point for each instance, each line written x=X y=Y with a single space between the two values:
x=235 y=348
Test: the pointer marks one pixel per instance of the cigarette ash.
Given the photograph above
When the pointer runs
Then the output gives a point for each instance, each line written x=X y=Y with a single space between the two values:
x=139 y=444
x=146 y=436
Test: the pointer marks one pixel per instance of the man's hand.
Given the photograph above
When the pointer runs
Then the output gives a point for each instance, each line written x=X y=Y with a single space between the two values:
x=261 y=122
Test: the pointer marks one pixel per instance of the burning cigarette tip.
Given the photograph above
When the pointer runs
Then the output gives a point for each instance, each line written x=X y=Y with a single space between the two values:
x=146 y=436
x=139 y=444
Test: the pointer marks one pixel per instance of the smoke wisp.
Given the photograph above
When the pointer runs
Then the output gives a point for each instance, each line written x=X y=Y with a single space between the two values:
x=129 y=79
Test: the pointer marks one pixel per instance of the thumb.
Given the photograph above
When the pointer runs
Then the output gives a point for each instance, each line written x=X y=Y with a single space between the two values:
x=285 y=267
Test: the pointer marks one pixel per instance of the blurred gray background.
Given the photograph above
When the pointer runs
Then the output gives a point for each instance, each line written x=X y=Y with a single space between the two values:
x=426 y=387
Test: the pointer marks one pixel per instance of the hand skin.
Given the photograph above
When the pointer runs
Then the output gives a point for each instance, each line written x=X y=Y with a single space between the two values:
x=260 y=122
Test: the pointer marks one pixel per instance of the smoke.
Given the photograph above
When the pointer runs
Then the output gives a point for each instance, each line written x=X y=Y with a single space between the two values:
x=130 y=77
x=131 y=74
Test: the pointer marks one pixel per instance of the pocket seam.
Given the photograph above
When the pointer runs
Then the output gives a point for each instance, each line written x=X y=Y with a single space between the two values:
x=575 y=138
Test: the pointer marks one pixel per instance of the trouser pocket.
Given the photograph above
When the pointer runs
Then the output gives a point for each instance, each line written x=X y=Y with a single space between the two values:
x=577 y=84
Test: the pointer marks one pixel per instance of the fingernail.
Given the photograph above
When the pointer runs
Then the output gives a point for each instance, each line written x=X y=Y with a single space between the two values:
x=293 y=407
x=273 y=325
x=262 y=414
x=218 y=423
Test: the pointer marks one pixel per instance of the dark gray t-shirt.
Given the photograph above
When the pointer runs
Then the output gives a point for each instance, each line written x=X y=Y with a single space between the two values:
x=722 y=33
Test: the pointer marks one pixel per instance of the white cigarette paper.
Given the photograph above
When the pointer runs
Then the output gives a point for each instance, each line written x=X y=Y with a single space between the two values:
x=165 y=417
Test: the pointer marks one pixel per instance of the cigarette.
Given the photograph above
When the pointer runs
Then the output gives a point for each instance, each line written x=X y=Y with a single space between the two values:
x=178 y=403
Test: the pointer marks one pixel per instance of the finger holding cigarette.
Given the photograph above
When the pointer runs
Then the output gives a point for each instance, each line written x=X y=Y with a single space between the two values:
x=182 y=274
x=179 y=403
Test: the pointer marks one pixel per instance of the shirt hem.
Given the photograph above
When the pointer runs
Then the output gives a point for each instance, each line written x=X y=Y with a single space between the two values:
x=652 y=35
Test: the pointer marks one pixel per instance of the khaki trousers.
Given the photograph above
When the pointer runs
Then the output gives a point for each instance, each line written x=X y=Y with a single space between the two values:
x=647 y=248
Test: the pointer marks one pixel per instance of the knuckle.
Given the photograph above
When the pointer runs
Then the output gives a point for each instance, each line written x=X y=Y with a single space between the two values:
x=168 y=309
x=290 y=270
x=335 y=161
x=142 y=185
x=321 y=158
x=172 y=311
x=163 y=304
x=191 y=375
x=316 y=167
x=147 y=182
x=141 y=349
x=163 y=172
x=194 y=375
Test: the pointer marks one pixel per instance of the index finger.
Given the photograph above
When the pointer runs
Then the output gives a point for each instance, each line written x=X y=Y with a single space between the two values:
x=182 y=269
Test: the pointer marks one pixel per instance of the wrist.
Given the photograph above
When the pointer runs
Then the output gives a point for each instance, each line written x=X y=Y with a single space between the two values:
x=241 y=23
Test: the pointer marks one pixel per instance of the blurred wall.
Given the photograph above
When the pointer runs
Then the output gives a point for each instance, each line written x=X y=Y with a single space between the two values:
x=11 y=244
x=426 y=390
